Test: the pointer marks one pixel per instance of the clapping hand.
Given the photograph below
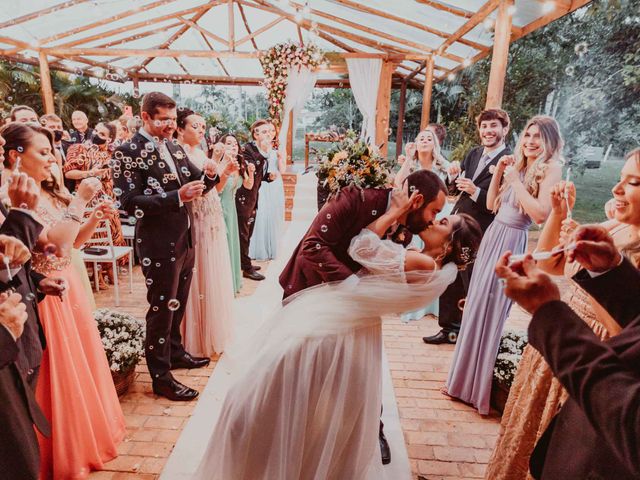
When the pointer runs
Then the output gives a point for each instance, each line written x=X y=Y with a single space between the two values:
x=559 y=194
x=23 y=191
x=595 y=249
x=13 y=313
x=525 y=283
x=88 y=188
x=13 y=252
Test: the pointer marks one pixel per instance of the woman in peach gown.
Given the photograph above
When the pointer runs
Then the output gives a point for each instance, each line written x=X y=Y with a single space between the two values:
x=75 y=389
x=208 y=322
x=536 y=395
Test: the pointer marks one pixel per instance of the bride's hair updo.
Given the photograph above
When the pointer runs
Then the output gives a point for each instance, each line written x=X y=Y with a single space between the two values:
x=464 y=242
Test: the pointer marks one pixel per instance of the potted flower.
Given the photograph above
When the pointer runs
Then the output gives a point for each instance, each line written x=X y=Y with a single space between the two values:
x=123 y=340
x=510 y=351
x=351 y=162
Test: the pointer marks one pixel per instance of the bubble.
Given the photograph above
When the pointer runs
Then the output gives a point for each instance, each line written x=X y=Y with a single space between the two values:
x=117 y=191
x=161 y=297
x=374 y=212
x=146 y=262
x=131 y=220
x=324 y=229
x=173 y=304
x=20 y=149
x=138 y=213
x=49 y=249
x=158 y=266
x=29 y=297
x=99 y=214
x=328 y=216
x=155 y=308
x=161 y=341
x=581 y=48
x=318 y=246
x=148 y=191
x=570 y=70
x=149 y=281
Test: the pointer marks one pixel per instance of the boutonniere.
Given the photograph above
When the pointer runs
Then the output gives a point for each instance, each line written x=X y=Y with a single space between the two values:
x=170 y=176
x=492 y=168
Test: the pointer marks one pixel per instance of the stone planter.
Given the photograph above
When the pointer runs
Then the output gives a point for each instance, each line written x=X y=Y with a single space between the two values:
x=123 y=380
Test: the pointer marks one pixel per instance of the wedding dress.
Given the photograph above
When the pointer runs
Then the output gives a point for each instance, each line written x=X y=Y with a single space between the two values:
x=306 y=390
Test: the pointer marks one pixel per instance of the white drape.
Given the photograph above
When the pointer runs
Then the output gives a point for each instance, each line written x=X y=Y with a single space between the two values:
x=299 y=86
x=364 y=77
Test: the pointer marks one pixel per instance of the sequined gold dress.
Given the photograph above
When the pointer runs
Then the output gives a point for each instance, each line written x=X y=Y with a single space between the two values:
x=536 y=395
x=75 y=388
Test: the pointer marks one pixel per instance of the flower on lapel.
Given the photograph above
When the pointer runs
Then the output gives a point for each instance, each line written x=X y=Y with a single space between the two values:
x=169 y=176
x=492 y=168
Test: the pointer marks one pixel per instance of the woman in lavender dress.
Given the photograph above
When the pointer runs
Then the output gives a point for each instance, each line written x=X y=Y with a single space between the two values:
x=520 y=192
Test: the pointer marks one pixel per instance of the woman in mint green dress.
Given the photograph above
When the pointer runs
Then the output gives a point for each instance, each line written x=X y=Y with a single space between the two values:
x=228 y=200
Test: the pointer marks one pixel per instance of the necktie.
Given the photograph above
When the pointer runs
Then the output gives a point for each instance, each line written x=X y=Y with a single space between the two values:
x=481 y=164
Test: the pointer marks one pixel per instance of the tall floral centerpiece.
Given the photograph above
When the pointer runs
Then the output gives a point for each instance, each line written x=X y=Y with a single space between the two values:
x=351 y=162
x=276 y=63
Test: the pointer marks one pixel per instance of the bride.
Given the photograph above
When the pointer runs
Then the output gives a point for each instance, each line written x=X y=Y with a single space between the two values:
x=307 y=403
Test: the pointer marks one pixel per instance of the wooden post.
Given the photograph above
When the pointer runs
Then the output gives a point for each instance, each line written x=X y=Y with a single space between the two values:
x=45 y=84
x=290 y=139
x=306 y=151
x=232 y=28
x=500 y=55
x=136 y=85
x=426 y=93
x=400 y=128
x=382 y=105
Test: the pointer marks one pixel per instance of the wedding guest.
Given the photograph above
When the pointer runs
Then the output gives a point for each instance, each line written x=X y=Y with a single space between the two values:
x=207 y=327
x=536 y=395
x=81 y=132
x=23 y=114
x=595 y=433
x=243 y=177
x=88 y=421
x=133 y=125
x=424 y=154
x=470 y=181
x=157 y=184
x=520 y=193
x=94 y=160
x=269 y=220
x=440 y=131
x=255 y=152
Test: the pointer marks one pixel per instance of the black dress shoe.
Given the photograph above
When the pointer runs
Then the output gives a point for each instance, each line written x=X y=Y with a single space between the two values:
x=441 y=337
x=174 y=390
x=187 y=361
x=253 y=275
x=256 y=267
x=385 y=450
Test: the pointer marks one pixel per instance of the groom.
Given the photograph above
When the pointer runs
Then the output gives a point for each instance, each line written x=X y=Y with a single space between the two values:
x=322 y=254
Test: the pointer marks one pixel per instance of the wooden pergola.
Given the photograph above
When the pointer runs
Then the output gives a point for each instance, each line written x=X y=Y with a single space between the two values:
x=180 y=41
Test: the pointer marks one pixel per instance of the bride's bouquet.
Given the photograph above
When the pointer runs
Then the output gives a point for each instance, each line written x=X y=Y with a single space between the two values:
x=352 y=162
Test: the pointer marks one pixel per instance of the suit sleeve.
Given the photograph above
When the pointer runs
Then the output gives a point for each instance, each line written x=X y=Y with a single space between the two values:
x=606 y=388
x=451 y=185
x=130 y=182
x=617 y=291
x=318 y=247
x=22 y=226
x=8 y=347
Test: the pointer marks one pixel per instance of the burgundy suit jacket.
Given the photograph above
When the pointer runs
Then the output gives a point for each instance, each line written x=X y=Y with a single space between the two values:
x=596 y=434
x=322 y=254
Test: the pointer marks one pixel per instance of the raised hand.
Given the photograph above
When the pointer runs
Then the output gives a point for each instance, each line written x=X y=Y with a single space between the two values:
x=595 y=249
x=23 y=191
x=466 y=185
x=218 y=151
x=454 y=169
x=410 y=150
x=401 y=202
x=190 y=191
x=13 y=252
x=88 y=188
x=566 y=232
x=13 y=313
x=105 y=207
x=504 y=162
x=559 y=194
x=251 y=169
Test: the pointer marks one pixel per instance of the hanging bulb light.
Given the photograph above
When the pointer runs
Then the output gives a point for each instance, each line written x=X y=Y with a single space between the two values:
x=466 y=62
x=451 y=77
x=548 y=6
x=488 y=24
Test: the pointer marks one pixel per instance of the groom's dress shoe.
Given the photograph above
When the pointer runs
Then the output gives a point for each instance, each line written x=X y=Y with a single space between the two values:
x=187 y=361
x=174 y=390
x=253 y=275
x=441 y=337
x=256 y=267
x=385 y=450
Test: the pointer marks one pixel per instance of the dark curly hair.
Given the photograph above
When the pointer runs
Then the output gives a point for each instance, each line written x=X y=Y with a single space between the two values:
x=464 y=242
x=240 y=158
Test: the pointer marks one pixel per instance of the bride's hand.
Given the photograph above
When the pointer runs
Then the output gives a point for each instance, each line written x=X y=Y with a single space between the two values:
x=400 y=201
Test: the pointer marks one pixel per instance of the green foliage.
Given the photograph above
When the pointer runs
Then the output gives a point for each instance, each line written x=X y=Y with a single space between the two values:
x=336 y=108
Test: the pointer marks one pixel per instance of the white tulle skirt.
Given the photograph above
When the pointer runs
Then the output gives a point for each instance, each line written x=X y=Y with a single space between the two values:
x=306 y=405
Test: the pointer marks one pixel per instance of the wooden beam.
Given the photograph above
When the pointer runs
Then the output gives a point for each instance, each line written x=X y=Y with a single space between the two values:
x=203 y=31
x=246 y=26
x=104 y=21
x=232 y=27
x=136 y=85
x=405 y=21
x=252 y=36
x=40 y=13
x=383 y=104
x=473 y=21
x=300 y=35
x=224 y=69
x=500 y=57
x=138 y=36
x=426 y=94
x=446 y=8
x=181 y=65
x=45 y=84
x=221 y=80
x=401 y=108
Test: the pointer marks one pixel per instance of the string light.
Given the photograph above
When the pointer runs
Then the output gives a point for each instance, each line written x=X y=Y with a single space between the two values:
x=511 y=10
x=451 y=77
x=548 y=6
x=466 y=62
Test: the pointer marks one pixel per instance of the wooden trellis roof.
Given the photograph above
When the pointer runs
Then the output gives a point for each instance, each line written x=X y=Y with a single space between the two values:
x=218 y=41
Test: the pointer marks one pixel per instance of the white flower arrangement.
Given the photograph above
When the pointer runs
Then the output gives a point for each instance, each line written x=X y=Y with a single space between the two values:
x=122 y=338
x=512 y=345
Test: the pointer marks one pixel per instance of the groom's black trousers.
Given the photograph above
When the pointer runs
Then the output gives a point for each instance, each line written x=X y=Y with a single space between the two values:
x=168 y=280
x=450 y=315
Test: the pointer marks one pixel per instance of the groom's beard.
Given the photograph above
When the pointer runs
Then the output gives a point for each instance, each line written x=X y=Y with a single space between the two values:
x=416 y=223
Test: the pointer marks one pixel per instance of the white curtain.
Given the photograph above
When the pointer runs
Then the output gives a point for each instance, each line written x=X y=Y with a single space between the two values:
x=299 y=86
x=364 y=77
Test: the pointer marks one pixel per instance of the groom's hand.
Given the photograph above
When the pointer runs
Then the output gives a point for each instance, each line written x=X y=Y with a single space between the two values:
x=190 y=191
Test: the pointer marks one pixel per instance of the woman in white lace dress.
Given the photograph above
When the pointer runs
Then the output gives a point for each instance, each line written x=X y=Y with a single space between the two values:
x=306 y=391
x=208 y=321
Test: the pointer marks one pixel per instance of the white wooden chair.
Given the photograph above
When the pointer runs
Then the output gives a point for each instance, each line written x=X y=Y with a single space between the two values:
x=114 y=253
x=129 y=233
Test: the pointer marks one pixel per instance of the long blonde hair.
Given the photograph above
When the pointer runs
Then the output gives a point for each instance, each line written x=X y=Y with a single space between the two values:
x=552 y=145
x=439 y=162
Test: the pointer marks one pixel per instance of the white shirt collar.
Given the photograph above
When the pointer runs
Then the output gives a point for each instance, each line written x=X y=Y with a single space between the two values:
x=494 y=153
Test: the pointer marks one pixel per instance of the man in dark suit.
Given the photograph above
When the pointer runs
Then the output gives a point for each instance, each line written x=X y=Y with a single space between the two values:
x=322 y=254
x=596 y=433
x=254 y=152
x=470 y=180
x=156 y=183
